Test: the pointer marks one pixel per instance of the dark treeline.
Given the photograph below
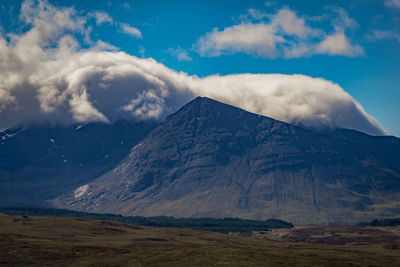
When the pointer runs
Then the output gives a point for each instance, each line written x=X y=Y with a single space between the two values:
x=225 y=225
x=382 y=222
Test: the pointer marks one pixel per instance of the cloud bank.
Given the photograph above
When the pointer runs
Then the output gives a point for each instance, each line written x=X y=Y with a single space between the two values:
x=46 y=77
x=298 y=99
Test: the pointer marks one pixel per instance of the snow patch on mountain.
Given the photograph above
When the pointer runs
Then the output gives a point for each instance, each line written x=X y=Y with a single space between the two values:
x=80 y=191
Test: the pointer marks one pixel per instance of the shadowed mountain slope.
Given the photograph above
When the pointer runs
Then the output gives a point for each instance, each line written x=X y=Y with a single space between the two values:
x=213 y=160
x=40 y=163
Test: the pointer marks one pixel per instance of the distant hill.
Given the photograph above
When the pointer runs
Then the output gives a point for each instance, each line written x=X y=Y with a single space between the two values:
x=210 y=159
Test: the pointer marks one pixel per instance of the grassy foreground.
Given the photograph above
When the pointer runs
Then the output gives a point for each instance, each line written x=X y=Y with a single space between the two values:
x=54 y=241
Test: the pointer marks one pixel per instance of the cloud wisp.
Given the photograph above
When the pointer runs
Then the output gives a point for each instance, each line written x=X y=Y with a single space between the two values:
x=180 y=54
x=126 y=28
x=46 y=77
x=102 y=17
x=283 y=34
x=378 y=35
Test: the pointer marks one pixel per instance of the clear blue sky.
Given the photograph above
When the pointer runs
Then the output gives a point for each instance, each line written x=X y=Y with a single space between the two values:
x=368 y=69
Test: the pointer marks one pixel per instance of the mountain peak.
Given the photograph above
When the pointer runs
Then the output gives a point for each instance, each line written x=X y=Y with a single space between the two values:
x=211 y=159
x=201 y=102
x=202 y=99
x=207 y=112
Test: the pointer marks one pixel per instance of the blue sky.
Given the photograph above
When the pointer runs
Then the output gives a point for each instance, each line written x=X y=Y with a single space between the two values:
x=209 y=37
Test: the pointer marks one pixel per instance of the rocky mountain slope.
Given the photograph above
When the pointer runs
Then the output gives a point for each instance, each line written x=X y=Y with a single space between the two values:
x=214 y=160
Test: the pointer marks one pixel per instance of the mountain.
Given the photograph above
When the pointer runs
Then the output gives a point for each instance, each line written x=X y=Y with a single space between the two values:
x=213 y=160
x=40 y=163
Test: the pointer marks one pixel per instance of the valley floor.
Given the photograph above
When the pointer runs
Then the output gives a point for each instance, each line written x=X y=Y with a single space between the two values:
x=52 y=241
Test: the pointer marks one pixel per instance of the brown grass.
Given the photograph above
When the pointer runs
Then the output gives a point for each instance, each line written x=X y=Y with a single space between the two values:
x=50 y=241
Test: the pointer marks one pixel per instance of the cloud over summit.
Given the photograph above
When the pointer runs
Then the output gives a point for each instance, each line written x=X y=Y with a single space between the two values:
x=46 y=77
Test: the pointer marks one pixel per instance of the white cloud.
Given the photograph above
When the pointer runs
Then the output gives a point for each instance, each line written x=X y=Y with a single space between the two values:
x=255 y=14
x=6 y=99
x=180 y=54
x=44 y=76
x=102 y=46
x=338 y=44
x=291 y=24
x=393 y=3
x=102 y=17
x=254 y=39
x=283 y=34
x=342 y=21
x=82 y=109
x=126 y=28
